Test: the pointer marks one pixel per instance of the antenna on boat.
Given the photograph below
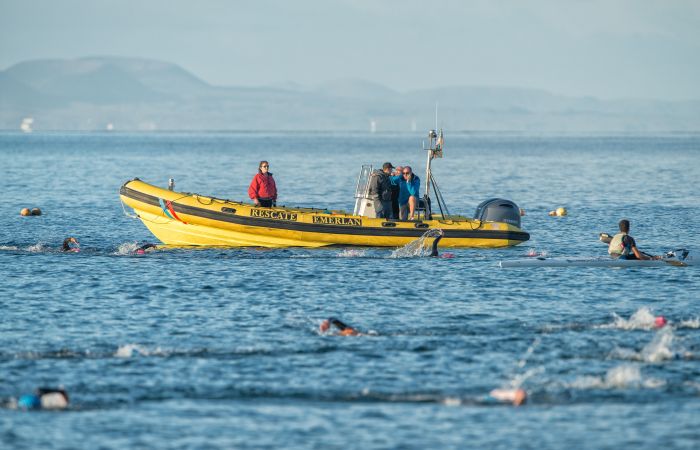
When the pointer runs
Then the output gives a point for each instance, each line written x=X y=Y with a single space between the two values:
x=436 y=115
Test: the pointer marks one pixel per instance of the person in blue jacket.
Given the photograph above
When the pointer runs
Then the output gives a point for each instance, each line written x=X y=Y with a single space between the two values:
x=409 y=185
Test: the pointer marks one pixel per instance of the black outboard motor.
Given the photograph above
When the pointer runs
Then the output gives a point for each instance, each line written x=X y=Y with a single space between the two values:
x=498 y=210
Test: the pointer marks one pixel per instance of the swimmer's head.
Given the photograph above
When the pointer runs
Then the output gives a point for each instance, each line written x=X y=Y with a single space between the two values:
x=660 y=322
x=71 y=244
x=25 y=212
x=36 y=212
x=325 y=325
x=53 y=398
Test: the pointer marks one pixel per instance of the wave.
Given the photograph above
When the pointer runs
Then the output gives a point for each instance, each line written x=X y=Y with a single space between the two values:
x=352 y=253
x=658 y=350
x=642 y=319
x=418 y=247
x=619 y=377
x=126 y=248
x=129 y=350
x=533 y=252
x=139 y=350
x=55 y=354
x=39 y=247
x=690 y=323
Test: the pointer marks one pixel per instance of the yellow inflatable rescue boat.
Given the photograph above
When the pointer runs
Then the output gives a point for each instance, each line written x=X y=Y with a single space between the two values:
x=178 y=218
x=184 y=219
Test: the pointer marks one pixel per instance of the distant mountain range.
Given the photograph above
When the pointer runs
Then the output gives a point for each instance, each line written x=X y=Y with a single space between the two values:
x=129 y=94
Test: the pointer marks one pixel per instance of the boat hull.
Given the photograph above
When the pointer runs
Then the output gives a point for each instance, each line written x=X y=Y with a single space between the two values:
x=184 y=219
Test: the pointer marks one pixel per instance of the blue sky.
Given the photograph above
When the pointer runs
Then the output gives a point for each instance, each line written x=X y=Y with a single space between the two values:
x=606 y=49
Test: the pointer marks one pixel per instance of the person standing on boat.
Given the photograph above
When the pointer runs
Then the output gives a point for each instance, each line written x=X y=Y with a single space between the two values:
x=263 y=190
x=622 y=245
x=409 y=193
x=380 y=191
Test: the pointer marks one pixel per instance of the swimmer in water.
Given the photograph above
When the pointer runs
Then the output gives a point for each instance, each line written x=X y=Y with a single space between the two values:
x=434 y=252
x=44 y=398
x=145 y=248
x=436 y=241
x=343 y=329
x=71 y=244
x=516 y=397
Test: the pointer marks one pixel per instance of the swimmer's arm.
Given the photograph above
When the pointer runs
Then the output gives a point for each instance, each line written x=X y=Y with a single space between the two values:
x=639 y=254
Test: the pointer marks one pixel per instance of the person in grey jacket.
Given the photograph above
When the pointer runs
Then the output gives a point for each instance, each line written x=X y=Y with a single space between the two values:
x=380 y=191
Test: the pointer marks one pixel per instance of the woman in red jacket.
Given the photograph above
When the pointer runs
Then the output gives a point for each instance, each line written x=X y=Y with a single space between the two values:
x=263 y=190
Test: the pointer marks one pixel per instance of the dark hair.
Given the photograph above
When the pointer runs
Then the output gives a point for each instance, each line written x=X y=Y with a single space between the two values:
x=340 y=325
x=624 y=226
x=43 y=391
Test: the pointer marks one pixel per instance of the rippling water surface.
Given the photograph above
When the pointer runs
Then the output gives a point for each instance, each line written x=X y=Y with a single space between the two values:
x=187 y=348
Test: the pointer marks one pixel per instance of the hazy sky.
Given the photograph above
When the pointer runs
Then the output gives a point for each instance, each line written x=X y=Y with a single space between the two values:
x=603 y=48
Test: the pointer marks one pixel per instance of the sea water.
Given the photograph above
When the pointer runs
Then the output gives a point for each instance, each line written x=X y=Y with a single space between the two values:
x=207 y=348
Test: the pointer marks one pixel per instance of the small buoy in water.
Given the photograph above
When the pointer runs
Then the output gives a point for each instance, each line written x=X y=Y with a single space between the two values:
x=559 y=212
x=25 y=212
x=36 y=212
x=660 y=322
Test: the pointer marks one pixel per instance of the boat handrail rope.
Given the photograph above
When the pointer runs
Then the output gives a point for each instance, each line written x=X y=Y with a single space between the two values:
x=362 y=184
x=136 y=216
x=437 y=197
x=212 y=200
x=440 y=199
x=131 y=216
